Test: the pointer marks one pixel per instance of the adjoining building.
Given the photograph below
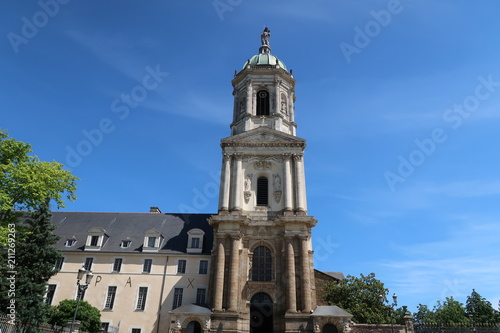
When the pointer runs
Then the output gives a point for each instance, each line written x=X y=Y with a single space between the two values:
x=248 y=268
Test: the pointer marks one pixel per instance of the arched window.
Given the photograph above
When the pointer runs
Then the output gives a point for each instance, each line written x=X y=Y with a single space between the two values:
x=329 y=328
x=262 y=103
x=262 y=191
x=262 y=264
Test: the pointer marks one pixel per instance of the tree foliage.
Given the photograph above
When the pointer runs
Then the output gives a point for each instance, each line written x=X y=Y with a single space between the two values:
x=476 y=310
x=34 y=262
x=450 y=311
x=89 y=316
x=360 y=297
x=26 y=182
x=479 y=309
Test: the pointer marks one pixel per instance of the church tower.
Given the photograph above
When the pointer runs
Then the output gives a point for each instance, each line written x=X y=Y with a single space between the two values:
x=262 y=267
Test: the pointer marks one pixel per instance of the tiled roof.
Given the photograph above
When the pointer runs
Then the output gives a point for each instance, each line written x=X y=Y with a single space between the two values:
x=131 y=226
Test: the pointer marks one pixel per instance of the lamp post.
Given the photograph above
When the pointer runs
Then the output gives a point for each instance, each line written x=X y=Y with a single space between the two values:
x=390 y=306
x=81 y=288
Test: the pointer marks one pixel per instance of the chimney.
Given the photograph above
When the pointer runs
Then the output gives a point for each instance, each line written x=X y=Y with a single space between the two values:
x=154 y=210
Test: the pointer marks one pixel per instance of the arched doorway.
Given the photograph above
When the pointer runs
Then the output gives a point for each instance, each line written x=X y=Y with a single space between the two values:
x=193 y=327
x=329 y=328
x=261 y=314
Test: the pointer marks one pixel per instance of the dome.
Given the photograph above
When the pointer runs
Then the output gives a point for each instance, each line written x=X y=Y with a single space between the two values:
x=265 y=59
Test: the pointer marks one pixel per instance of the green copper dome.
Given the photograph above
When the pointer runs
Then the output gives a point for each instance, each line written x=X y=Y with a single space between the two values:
x=265 y=59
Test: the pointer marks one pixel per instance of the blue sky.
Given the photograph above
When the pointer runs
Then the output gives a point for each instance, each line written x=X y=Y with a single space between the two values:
x=399 y=102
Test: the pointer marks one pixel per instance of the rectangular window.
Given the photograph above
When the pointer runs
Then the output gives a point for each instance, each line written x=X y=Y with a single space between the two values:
x=195 y=243
x=177 y=298
x=147 y=265
x=51 y=290
x=181 y=266
x=151 y=241
x=105 y=327
x=117 y=266
x=203 y=267
x=201 y=296
x=141 y=298
x=110 y=299
x=88 y=264
x=136 y=330
x=94 y=240
x=70 y=242
x=59 y=263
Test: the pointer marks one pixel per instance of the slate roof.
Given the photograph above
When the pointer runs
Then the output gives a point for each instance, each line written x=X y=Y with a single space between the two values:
x=330 y=311
x=132 y=226
x=336 y=275
x=191 y=309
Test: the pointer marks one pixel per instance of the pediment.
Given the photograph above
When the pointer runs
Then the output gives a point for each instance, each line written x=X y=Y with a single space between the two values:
x=263 y=135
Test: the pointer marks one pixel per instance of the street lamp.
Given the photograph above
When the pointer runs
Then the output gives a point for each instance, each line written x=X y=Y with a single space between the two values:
x=81 y=288
x=390 y=306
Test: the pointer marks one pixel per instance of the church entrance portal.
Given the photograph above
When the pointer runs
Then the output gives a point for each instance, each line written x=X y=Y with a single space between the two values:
x=261 y=314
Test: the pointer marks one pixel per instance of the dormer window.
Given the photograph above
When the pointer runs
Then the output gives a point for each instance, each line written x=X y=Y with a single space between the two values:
x=195 y=241
x=70 y=242
x=125 y=243
x=152 y=240
x=95 y=239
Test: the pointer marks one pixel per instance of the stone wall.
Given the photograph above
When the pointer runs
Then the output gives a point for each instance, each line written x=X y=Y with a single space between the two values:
x=322 y=280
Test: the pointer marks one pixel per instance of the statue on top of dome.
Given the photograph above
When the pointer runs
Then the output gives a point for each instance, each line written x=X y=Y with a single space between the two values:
x=265 y=36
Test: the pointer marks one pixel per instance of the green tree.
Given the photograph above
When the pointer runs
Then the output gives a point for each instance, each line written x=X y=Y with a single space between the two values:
x=360 y=297
x=89 y=316
x=479 y=309
x=424 y=315
x=450 y=311
x=35 y=259
x=26 y=182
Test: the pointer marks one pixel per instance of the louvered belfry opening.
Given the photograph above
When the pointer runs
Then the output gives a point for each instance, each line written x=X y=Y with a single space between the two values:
x=262 y=195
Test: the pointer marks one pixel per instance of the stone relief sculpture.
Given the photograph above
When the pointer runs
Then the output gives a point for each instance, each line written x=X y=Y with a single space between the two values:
x=277 y=187
x=242 y=105
x=247 y=187
x=284 y=104
x=262 y=165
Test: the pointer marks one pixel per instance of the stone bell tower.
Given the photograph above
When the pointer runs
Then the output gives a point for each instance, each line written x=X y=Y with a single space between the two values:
x=262 y=271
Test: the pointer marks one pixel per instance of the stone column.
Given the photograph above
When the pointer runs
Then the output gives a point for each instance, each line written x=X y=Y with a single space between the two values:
x=219 y=275
x=277 y=104
x=306 y=279
x=225 y=182
x=249 y=97
x=290 y=278
x=234 y=276
x=238 y=181
x=300 y=185
x=287 y=174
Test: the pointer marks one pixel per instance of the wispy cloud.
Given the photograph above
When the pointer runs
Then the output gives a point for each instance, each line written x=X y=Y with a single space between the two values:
x=465 y=258
x=465 y=189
